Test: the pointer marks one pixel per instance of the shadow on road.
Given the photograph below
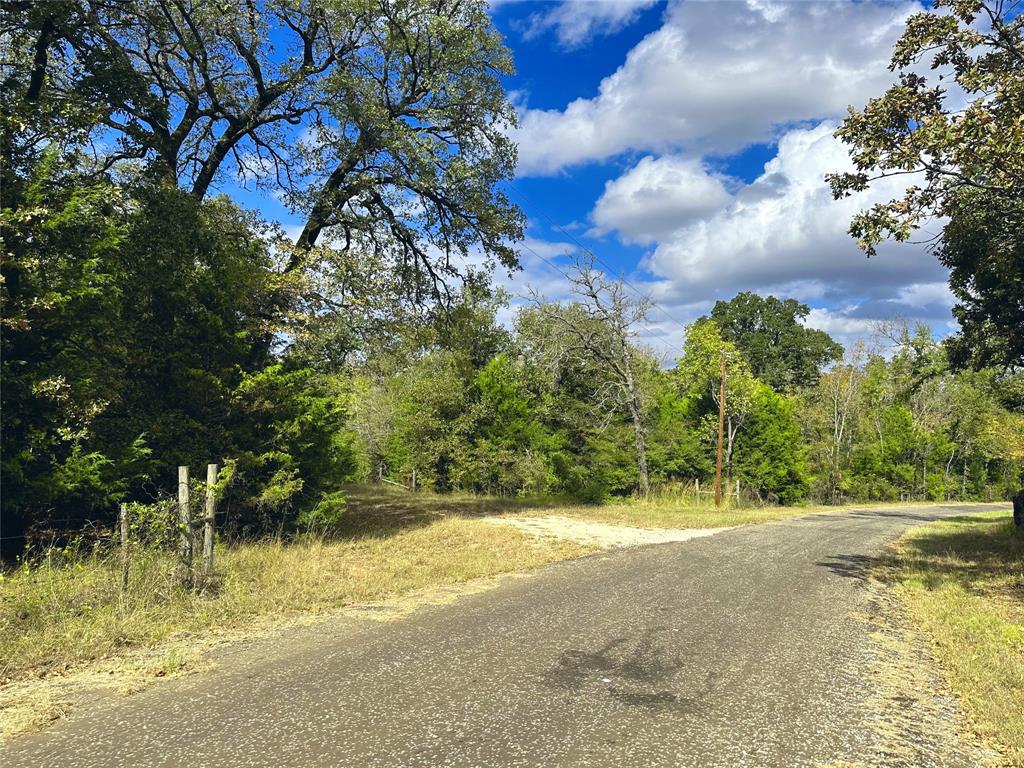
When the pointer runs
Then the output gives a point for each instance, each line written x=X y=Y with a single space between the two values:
x=637 y=672
x=923 y=516
x=381 y=511
x=849 y=566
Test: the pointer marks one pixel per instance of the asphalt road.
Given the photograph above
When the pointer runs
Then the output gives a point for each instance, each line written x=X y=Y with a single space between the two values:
x=740 y=649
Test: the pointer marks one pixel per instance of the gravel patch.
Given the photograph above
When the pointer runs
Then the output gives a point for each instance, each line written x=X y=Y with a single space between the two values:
x=604 y=535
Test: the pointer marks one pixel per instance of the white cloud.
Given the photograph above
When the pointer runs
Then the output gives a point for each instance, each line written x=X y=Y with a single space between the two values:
x=841 y=326
x=784 y=233
x=575 y=22
x=719 y=76
x=849 y=325
x=924 y=295
x=657 y=197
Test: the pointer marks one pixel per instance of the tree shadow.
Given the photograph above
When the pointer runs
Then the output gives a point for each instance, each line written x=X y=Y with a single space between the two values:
x=850 y=566
x=379 y=511
x=638 y=672
x=894 y=514
x=981 y=556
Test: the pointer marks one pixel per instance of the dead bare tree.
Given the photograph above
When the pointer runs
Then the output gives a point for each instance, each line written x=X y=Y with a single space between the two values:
x=599 y=328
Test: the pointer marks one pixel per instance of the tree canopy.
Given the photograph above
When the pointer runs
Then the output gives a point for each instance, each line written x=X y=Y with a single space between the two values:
x=771 y=336
x=382 y=123
x=956 y=136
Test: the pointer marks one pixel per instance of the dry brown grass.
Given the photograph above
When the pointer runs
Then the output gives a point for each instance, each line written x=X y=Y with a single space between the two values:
x=963 y=583
x=61 y=613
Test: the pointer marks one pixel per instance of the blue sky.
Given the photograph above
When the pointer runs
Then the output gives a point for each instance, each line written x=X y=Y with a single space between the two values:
x=685 y=144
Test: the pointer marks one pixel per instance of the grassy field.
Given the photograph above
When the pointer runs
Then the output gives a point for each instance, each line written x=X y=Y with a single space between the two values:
x=963 y=583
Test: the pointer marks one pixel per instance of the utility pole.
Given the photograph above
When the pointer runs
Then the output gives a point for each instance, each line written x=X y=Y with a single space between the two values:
x=721 y=434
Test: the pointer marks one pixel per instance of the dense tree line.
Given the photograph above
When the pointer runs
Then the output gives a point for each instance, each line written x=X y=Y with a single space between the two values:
x=899 y=425
x=150 y=321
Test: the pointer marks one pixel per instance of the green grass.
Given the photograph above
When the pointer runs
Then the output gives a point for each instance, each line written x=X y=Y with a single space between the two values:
x=963 y=583
x=675 y=513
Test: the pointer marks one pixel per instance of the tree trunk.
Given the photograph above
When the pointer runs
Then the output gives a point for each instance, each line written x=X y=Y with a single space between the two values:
x=641 y=447
x=730 y=439
x=638 y=431
x=1018 y=509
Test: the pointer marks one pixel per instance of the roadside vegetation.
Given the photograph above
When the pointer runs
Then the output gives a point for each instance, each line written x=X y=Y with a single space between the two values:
x=962 y=581
x=151 y=320
x=66 y=607
x=63 y=606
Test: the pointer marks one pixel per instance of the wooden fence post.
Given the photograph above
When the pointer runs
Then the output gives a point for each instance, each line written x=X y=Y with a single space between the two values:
x=211 y=511
x=185 y=522
x=124 y=548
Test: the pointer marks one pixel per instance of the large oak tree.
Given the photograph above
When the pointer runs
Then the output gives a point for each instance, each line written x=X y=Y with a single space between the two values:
x=383 y=123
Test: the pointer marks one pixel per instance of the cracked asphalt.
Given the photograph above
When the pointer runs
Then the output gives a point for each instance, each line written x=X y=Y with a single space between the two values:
x=739 y=649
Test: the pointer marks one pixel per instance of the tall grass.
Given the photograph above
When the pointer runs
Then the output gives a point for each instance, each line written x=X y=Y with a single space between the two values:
x=67 y=608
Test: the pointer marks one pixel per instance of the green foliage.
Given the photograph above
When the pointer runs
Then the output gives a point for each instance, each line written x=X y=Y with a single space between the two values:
x=135 y=339
x=984 y=251
x=769 y=332
x=770 y=455
x=678 y=451
x=305 y=452
x=968 y=161
x=325 y=516
x=911 y=428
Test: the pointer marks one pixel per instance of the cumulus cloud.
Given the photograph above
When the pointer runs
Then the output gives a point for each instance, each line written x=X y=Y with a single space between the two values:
x=575 y=22
x=852 y=324
x=785 y=233
x=719 y=76
x=657 y=197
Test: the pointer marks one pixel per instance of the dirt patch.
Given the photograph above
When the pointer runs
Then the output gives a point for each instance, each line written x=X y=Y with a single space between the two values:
x=603 y=535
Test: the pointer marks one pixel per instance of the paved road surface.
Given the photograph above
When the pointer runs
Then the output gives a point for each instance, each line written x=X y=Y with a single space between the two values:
x=734 y=650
